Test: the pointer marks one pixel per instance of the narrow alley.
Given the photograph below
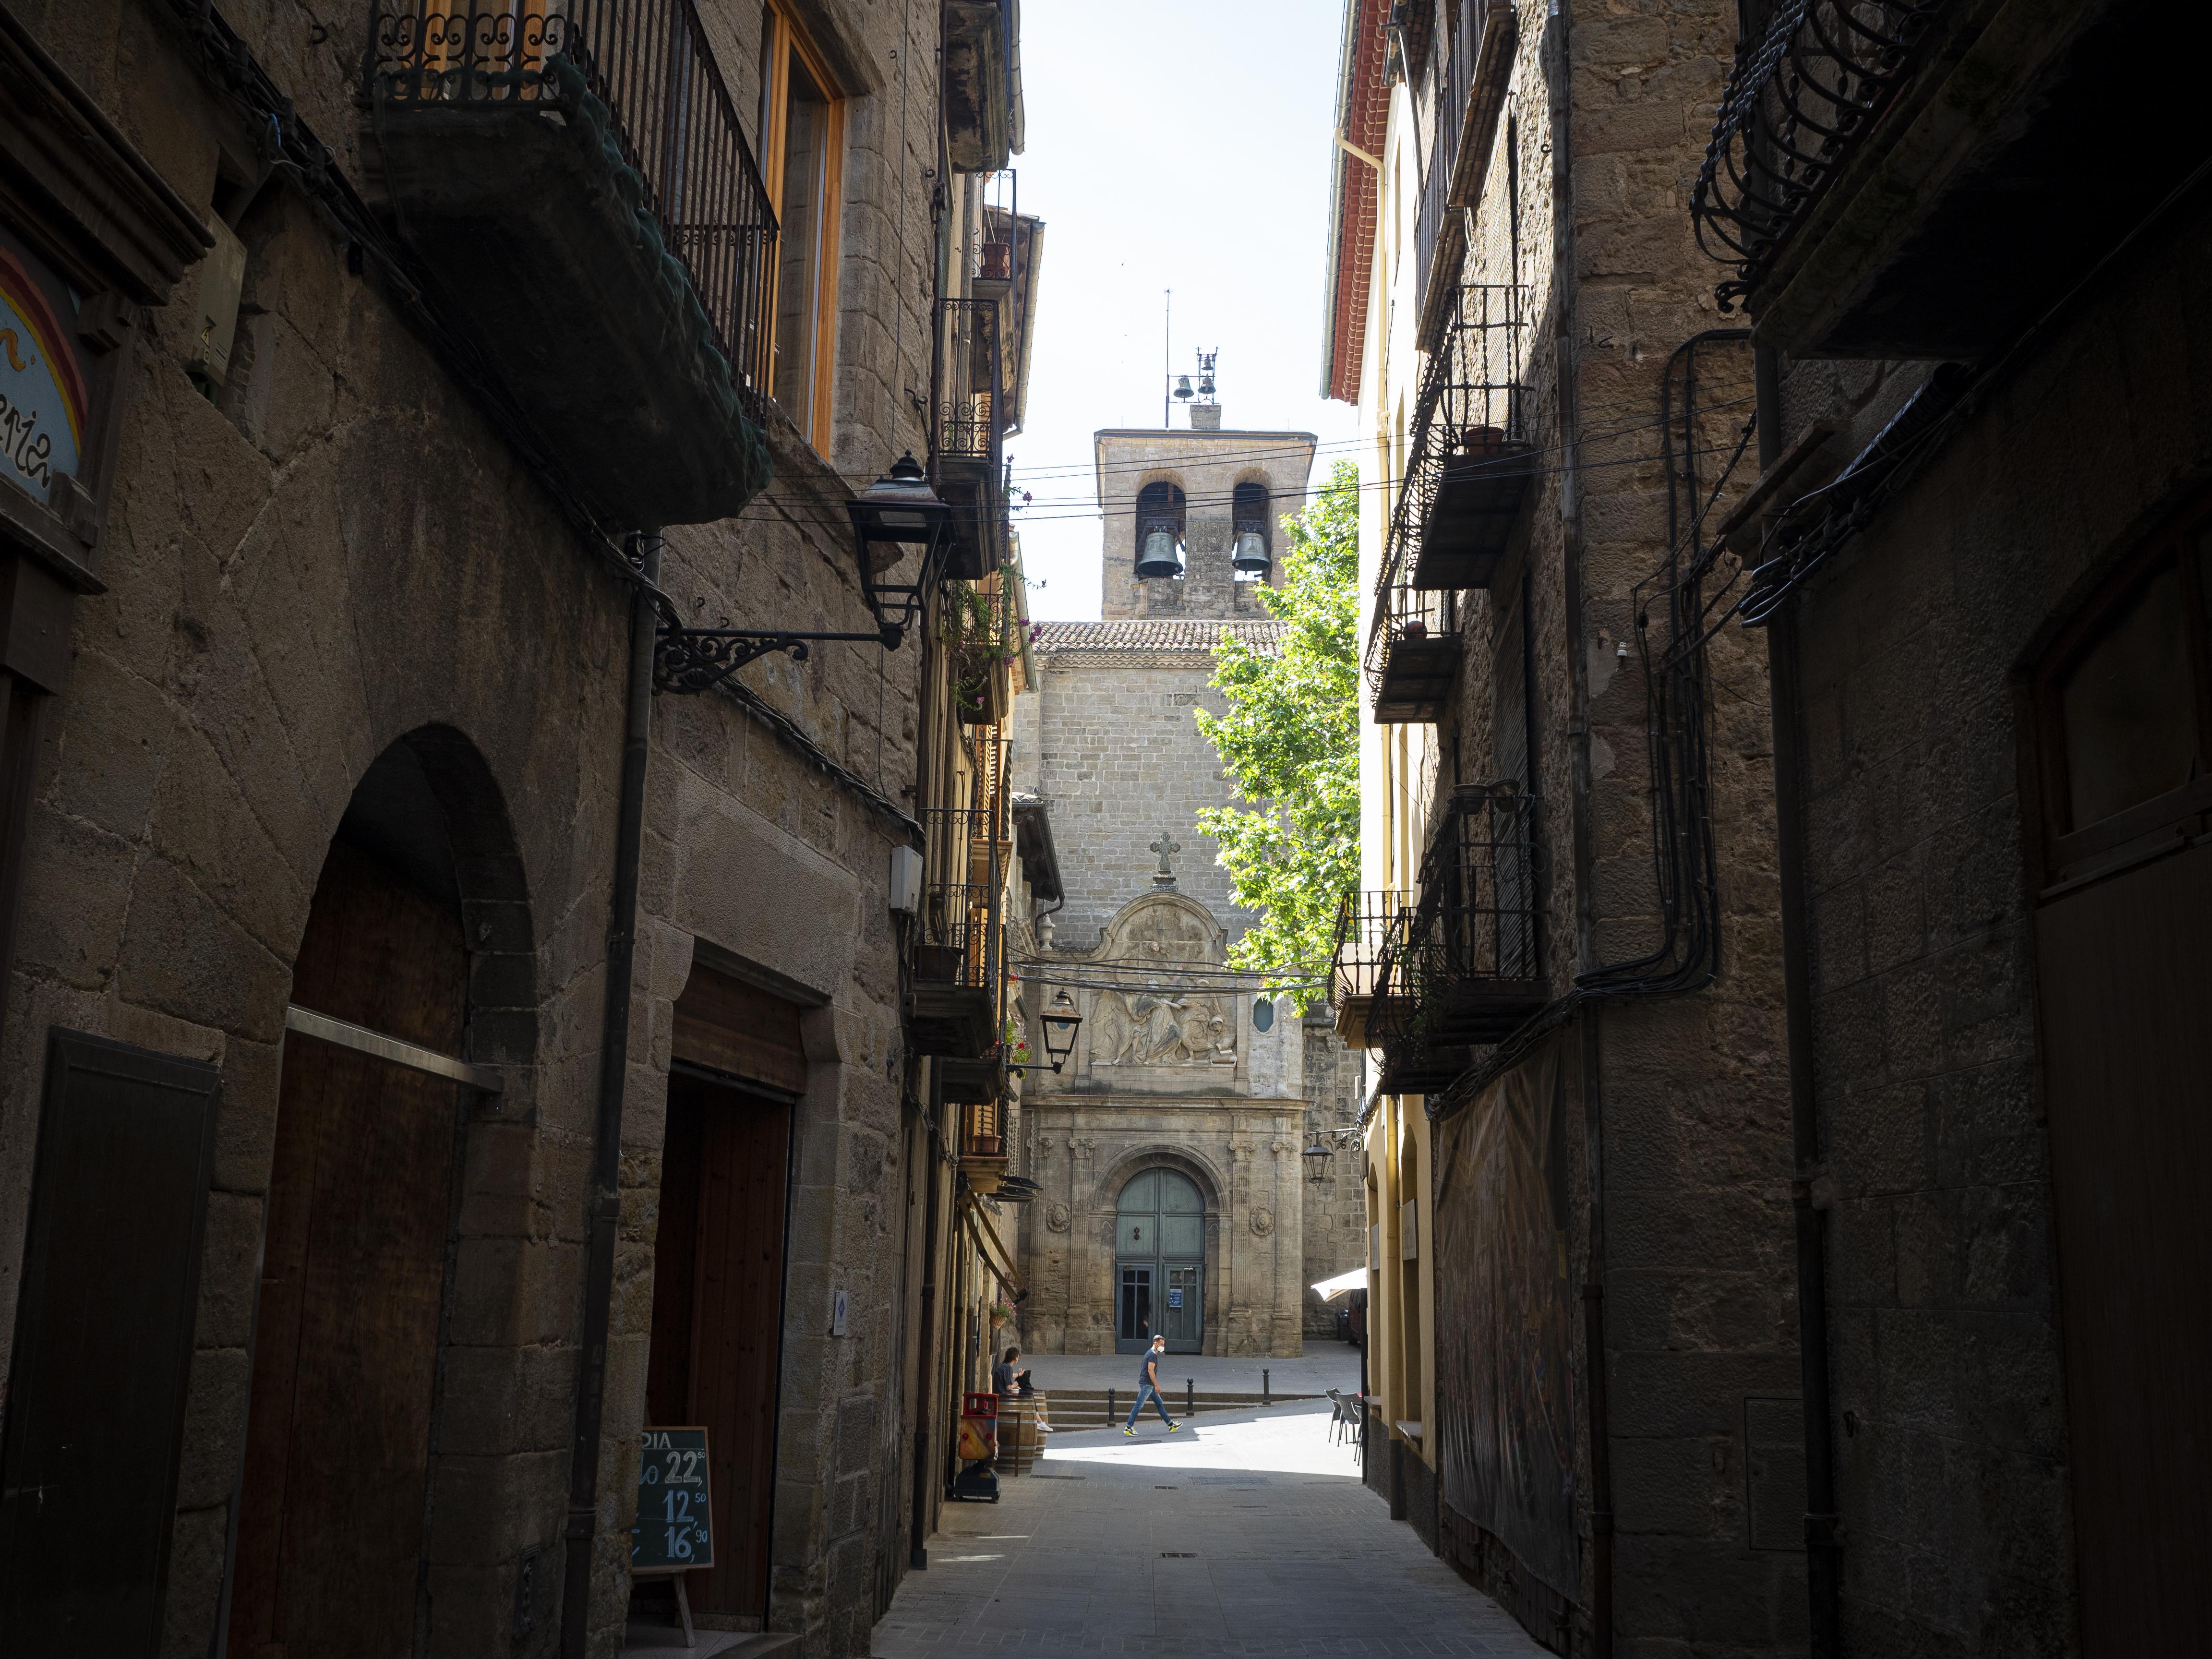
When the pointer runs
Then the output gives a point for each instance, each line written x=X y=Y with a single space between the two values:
x=738 y=738
x=1244 y=1533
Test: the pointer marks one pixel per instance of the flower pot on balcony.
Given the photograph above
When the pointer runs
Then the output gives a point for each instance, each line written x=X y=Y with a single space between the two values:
x=1415 y=629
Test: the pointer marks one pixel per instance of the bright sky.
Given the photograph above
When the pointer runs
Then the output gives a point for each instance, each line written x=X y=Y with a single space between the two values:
x=1169 y=145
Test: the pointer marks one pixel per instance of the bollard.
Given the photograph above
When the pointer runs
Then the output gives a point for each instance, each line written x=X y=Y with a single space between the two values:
x=1264 y=1389
x=1113 y=1410
x=1189 y=1395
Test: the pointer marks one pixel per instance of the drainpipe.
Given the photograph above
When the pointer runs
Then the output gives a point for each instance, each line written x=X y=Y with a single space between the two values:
x=1579 y=765
x=606 y=1151
x=925 y=1405
x=1821 y=1544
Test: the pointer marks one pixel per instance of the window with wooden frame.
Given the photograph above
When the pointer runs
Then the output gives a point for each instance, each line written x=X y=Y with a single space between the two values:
x=802 y=130
x=2123 y=704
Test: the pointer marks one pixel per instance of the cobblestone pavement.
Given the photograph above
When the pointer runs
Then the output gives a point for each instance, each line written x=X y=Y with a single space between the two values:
x=1245 y=1534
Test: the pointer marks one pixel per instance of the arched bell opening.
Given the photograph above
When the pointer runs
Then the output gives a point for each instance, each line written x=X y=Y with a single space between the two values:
x=416 y=966
x=1252 y=533
x=1162 y=516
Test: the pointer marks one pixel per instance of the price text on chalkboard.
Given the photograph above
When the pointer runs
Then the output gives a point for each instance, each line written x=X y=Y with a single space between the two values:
x=672 y=1533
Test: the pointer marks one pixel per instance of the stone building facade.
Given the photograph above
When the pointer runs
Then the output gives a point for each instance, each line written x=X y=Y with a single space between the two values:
x=1175 y=1085
x=1978 y=553
x=1568 y=970
x=393 y=979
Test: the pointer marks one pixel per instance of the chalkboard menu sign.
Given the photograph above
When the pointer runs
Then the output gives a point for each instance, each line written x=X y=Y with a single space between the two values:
x=672 y=1534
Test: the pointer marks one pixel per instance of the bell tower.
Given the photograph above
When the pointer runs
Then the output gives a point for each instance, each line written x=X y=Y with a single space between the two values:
x=1193 y=515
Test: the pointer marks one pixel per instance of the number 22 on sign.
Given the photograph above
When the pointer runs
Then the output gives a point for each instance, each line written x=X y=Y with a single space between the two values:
x=672 y=1533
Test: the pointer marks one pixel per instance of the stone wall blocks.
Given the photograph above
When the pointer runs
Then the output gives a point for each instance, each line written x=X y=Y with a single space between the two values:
x=215 y=1426
x=1913 y=1020
x=79 y=945
x=1693 y=1394
x=113 y=745
x=1988 y=1125
x=1862 y=1258
x=184 y=954
x=489 y=1507
x=230 y=1272
x=197 y=1548
x=1882 y=1138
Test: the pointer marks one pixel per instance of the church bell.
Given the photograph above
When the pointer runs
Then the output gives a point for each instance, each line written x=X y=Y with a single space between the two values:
x=1252 y=560
x=1159 y=557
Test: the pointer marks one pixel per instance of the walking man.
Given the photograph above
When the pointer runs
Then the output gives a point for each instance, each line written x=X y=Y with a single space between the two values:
x=1148 y=1386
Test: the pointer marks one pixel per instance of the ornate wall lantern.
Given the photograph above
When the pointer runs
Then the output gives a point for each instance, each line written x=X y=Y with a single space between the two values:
x=1061 y=1023
x=1317 y=1159
x=896 y=512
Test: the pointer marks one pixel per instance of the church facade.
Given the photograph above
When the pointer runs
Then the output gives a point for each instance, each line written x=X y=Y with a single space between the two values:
x=1174 y=1195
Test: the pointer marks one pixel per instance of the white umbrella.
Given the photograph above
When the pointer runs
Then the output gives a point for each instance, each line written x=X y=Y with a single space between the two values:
x=1354 y=1280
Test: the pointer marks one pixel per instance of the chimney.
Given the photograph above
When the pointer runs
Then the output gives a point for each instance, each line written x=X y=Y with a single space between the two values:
x=1206 y=417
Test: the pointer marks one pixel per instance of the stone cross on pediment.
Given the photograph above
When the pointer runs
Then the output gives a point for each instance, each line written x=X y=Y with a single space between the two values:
x=1164 y=845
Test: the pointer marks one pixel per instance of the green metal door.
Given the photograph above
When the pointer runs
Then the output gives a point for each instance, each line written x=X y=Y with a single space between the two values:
x=1159 y=1262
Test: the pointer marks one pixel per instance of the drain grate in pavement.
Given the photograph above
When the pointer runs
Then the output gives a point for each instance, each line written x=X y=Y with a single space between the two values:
x=1178 y=1555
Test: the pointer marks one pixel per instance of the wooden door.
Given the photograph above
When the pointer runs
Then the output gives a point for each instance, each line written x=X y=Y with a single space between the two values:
x=2126 y=1013
x=718 y=1314
x=102 y=1359
x=346 y=1335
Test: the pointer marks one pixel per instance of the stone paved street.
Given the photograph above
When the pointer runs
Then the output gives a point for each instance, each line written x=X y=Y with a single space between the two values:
x=1245 y=1534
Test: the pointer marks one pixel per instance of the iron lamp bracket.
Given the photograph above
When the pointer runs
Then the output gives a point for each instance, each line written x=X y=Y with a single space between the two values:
x=690 y=660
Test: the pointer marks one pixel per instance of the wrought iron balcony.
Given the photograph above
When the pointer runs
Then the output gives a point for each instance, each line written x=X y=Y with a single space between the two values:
x=958 y=1003
x=1466 y=967
x=1366 y=925
x=1413 y=654
x=1801 y=96
x=1471 y=66
x=1470 y=462
x=967 y=461
x=580 y=186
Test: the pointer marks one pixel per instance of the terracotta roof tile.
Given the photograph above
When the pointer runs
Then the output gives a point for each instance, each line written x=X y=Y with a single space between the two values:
x=1153 y=633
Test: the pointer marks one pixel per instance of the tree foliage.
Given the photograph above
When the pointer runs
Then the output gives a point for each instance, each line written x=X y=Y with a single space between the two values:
x=1290 y=742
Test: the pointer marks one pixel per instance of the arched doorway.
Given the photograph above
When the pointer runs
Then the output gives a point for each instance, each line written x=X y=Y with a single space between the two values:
x=358 y=1267
x=1159 y=1263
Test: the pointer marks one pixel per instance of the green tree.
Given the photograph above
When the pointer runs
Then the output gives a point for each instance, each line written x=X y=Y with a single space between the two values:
x=1290 y=744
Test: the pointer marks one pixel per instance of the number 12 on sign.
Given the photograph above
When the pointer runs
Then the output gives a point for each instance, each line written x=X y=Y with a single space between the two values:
x=673 y=1534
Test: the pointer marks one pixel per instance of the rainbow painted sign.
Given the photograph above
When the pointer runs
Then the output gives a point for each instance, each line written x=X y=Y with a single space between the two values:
x=42 y=396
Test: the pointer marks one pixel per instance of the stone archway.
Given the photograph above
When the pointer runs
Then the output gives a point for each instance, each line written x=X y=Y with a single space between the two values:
x=419 y=932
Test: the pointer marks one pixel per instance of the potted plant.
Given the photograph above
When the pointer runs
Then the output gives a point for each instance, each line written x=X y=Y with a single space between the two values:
x=1000 y=1314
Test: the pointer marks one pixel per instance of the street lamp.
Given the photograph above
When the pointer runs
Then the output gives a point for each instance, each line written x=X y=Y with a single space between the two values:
x=898 y=511
x=1318 y=1160
x=1060 y=1021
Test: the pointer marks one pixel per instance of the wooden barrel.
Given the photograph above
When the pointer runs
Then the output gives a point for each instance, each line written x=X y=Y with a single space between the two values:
x=1021 y=1432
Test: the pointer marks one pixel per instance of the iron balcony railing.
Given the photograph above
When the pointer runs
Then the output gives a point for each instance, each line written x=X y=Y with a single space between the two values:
x=1471 y=420
x=670 y=115
x=1364 y=928
x=1805 y=92
x=962 y=935
x=1463 y=965
x=970 y=398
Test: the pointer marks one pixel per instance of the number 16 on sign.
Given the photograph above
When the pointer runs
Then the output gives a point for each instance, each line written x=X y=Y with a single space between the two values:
x=673 y=1532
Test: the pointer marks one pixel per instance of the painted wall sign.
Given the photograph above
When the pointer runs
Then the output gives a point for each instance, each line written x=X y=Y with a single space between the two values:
x=43 y=405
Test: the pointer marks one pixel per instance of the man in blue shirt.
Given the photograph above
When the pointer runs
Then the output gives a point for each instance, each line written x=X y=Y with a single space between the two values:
x=1148 y=1386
